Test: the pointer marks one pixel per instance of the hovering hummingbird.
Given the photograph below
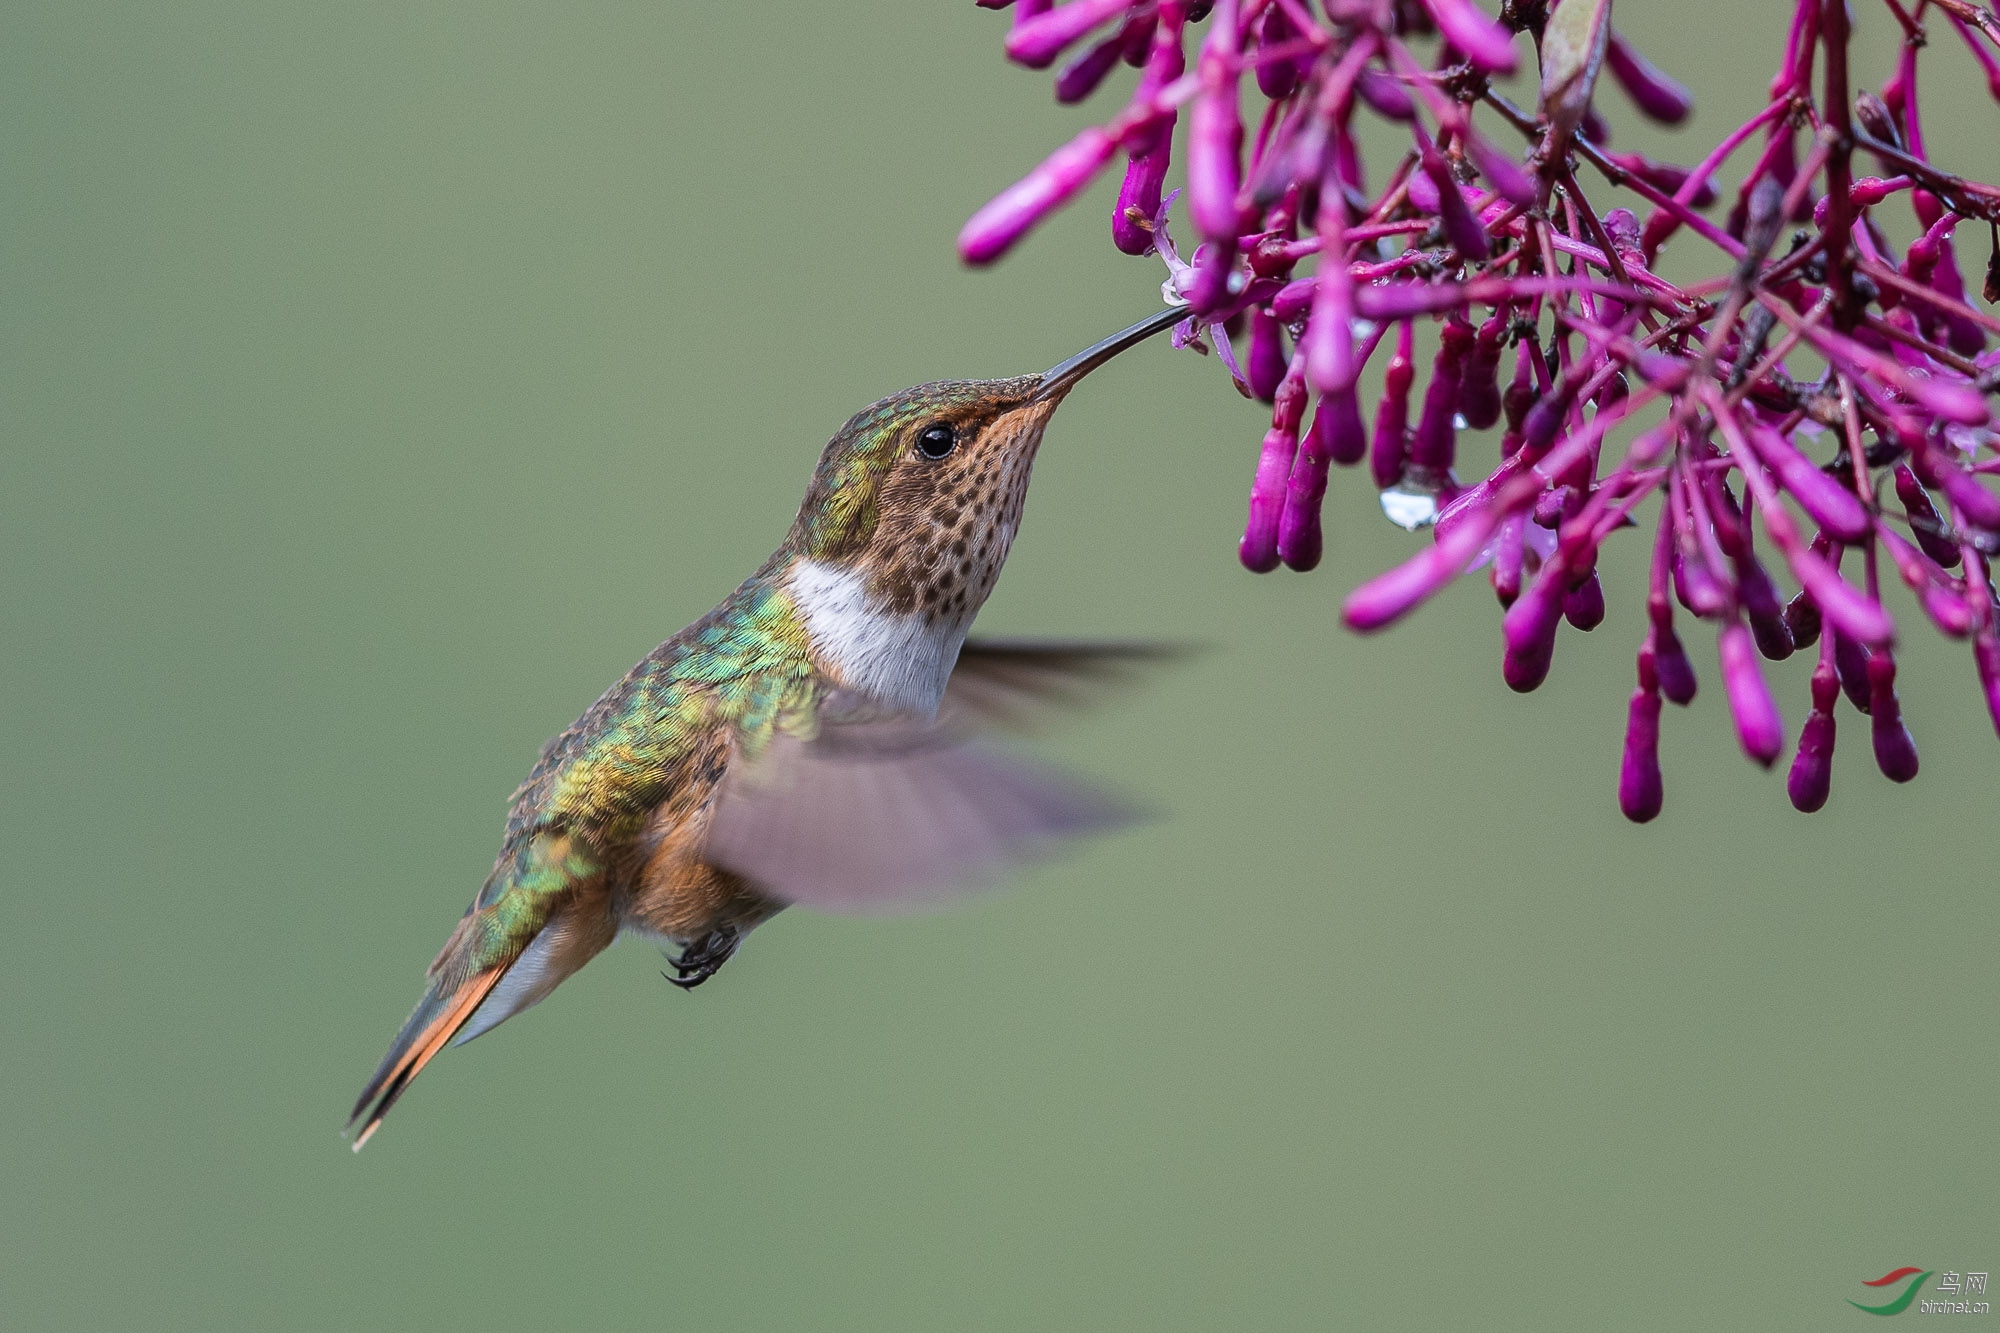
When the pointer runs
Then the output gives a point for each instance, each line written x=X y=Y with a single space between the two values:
x=813 y=739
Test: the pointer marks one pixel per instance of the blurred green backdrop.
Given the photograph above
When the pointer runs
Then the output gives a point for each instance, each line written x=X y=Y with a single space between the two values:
x=380 y=381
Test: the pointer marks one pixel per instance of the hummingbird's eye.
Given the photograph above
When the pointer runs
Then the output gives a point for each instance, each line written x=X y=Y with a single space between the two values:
x=936 y=440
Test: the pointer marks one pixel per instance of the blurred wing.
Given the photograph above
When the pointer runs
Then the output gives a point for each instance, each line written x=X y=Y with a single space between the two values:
x=891 y=817
x=1013 y=683
x=881 y=811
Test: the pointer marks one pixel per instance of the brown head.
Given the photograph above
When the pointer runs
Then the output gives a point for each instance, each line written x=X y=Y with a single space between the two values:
x=921 y=493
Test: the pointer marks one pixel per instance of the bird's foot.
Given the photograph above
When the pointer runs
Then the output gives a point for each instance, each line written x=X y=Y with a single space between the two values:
x=703 y=959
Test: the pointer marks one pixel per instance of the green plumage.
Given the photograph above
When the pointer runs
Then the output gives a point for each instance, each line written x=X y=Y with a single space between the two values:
x=736 y=675
x=731 y=679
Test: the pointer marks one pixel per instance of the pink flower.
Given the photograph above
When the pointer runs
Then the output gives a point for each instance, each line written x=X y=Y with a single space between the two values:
x=1821 y=400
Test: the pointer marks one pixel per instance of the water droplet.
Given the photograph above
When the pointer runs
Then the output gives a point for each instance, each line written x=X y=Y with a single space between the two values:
x=1410 y=509
x=1458 y=421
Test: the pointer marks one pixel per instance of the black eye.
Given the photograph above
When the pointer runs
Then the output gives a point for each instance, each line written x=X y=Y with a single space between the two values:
x=936 y=440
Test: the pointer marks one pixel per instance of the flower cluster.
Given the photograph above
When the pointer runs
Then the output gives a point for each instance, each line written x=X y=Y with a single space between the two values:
x=1818 y=409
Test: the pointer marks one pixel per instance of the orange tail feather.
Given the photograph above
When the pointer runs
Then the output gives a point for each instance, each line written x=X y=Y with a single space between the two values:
x=414 y=1049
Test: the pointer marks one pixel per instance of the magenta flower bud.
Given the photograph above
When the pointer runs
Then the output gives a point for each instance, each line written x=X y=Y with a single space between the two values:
x=1259 y=548
x=1830 y=504
x=1139 y=202
x=1921 y=259
x=1165 y=62
x=1337 y=430
x=1811 y=778
x=1758 y=725
x=1298 y=527
x=1975 y=504
x=1389 y=303
x=1909 y=357
x=1660 y=227
x=1529 y=629
x=1986 y=657
x=1700 y=591
x=1857 y=616
x=1481 y=40
x=1138 y=35
x=1509 y=548
x=1501 y=171
x=1387 y=597
x=1276 y=78
x=1876 y=118
x=1387 y=453
x=1479 y=385
x=1802 y=620
x=1947 y=610
x=1036 y=41
x=1850 y=661
x=1929 y=210
x=1640 y=789
x=1544 y=419
x=1081 y=76
x=1919 y=262
x=1291 y=301
x=1461 y=228
x=1614 y=391
x=1384 y=96
x=1726 y=519
x=1962 y=334
x=1762 y=609
x=1520 y=396
x=1947 y=398
x=1667 y=179
x=1433 y=445
x=1213 y=264
x=1329 y=337
x=1656 y=94
x=1954 y=400
x=1925 y=522
x=1670 y=660
x=1264 y=368
x=993 y=229
x=1348 y=166
x=1551 y=505
x=1866 y=192
x=1215 y=135
x=1895 y=751
x=1622 y=226
x=1583 y=605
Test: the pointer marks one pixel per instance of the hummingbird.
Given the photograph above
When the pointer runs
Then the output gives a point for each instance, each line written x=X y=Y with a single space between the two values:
x=815 y=739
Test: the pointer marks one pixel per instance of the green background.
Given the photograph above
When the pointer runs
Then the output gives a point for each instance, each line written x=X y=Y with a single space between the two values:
x=377 y=382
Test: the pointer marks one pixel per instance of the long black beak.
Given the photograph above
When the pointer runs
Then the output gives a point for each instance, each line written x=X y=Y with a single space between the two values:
x=1063 y=378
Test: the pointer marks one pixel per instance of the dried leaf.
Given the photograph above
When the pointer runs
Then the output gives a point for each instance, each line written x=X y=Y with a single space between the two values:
x=1573 y=44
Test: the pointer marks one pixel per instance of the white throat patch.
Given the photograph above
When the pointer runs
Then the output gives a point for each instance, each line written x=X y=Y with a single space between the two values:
x=900 y=660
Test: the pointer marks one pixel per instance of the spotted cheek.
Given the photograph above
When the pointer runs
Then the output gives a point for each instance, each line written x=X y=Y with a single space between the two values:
x=943 y=555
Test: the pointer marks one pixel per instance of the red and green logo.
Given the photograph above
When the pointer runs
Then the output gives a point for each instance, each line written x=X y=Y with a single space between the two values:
x=1901 y=1303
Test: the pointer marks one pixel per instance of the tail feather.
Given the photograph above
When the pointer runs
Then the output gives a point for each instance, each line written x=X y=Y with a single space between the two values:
x=540 y=881
x=441 y=1014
